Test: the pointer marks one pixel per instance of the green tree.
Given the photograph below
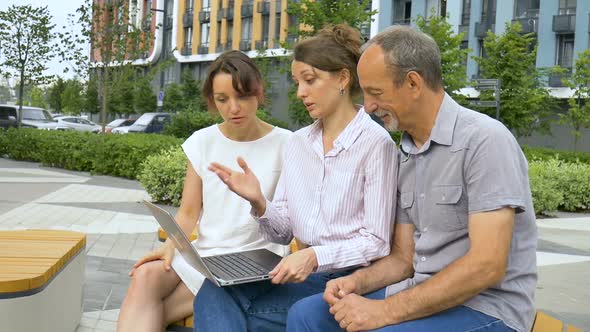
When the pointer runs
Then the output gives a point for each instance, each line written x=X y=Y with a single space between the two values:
x=72 y=97
x=525 y=103
x=116 y=42
x=173 y=98
x=453 y=57
x=26 y=39
x=4 y=94
x=91 y=98
x=54 y=95
x=38 y=97
x=144 y=98
x=192 y=92
x=314 y=15
x=578 y=114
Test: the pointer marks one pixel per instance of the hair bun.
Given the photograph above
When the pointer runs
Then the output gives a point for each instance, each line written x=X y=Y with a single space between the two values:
x=346 y=36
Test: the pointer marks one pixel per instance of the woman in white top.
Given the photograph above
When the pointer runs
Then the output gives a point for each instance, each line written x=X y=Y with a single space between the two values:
x=158 y=294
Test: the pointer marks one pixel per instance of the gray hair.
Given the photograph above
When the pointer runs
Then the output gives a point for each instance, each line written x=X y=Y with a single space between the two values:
x=407 y=49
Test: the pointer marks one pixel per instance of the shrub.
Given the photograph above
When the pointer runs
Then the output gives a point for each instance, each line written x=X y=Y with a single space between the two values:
x=122 y=155
x=117 y=155
x=558 y=185
x=185 y=124
x=162 y=175
x=3 y=142
x=541 y=154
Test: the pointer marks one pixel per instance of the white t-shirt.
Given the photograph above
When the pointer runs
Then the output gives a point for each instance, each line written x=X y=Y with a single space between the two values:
x=225 y=224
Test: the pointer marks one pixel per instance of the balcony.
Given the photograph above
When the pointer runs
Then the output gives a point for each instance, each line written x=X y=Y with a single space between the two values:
x=529 y=24
x=187 y=19
x=203 y=49
x=555 y=80
x=228 y=13
x=263 y=7
x=205 y=16
x=245 y=45
x=261 y=44
x=564 y=23
x=186 y=49
x=481 y=29
x=247 y=10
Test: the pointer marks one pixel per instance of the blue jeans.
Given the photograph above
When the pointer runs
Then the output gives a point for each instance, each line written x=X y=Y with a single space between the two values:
x=312 y=314
x=258 y=306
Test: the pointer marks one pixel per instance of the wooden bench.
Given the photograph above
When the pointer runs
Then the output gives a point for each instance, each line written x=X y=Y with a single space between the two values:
x=41 y=280
x=546 y=323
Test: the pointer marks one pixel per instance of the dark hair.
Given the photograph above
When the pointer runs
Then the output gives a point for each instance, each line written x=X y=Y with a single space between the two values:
x=334 y=48
x=246 y=77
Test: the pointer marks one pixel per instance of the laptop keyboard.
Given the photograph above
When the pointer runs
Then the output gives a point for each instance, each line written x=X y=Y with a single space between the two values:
x=236 y=265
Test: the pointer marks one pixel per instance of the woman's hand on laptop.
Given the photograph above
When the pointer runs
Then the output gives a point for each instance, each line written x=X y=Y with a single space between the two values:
x=245 y=184
x=165 y=253
x=295 y=267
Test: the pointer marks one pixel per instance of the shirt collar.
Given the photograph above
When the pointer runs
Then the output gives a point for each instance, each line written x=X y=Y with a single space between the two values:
x=348 y=135
x=443 y=130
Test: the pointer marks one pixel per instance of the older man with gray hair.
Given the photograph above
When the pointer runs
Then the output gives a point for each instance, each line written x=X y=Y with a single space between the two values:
x=463 y=255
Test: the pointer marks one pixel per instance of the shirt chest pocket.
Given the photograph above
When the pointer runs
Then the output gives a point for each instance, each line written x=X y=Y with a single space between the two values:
x=449 y=211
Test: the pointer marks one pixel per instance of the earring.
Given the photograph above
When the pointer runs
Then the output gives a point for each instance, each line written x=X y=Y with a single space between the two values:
x=342 y=91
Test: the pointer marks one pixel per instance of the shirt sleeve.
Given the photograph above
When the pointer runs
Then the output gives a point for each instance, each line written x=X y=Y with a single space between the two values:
x=496 y=172
x=373 y=238
x=191 y=148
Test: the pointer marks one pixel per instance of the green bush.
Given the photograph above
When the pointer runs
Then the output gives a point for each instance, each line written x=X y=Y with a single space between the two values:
x=540 y=154
x=162 y=175
x=117 y=155
x=3 y=142
x=559 y=185
x=185 y=124
x=122 y=155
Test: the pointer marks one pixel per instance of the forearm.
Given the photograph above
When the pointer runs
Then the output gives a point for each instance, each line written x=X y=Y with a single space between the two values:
x=274 y=224
x=384 y=272
x=453 y=286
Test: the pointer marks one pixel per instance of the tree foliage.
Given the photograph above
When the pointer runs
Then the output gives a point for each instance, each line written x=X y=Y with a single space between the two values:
x=72 y=97
x=314 y=15
x=453 y=57
x=525 y=103
x=54 y=94
x=26 y=39
x=578 y=114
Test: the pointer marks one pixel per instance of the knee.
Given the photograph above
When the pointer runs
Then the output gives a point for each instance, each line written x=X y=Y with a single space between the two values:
x=145 y=277
x=307 y=313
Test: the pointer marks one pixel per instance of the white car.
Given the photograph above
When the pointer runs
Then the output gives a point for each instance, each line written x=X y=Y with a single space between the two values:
x=121 y=130
x=77 y=123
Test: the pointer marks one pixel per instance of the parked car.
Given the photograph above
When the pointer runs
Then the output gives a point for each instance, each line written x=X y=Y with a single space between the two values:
x=33 y=117
x=116 y=124
x=150 y=123
x=77 y=123
x=120 y=130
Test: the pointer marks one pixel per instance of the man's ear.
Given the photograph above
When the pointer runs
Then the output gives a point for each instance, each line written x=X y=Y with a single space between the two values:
x=415 y=81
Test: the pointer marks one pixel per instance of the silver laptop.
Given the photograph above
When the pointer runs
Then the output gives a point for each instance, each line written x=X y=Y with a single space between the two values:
x=221 y=270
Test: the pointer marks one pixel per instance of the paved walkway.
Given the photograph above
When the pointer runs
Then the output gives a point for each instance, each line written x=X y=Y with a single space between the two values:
x=120 y=230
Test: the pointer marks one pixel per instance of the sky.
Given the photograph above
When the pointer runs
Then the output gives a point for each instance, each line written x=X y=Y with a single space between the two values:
x=59 y=9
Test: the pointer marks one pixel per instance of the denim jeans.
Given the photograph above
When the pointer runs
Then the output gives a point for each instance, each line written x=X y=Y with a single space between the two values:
x=258 y=306
x=311 y=314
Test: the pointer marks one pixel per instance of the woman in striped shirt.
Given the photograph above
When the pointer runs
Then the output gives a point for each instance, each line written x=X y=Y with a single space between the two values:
x=336 y=192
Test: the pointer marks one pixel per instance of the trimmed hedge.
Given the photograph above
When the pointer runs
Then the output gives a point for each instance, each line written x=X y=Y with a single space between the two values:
x=184 y=124
x=540 y=154
x=117 y=155
x=559 y=185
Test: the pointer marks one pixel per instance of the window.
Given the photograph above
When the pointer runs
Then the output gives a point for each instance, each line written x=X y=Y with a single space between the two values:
x=247 y=28
x=565 y=50
x=402 y=11
x=188 y=37
x=527 y=8
x=205 y=34
x=488 y=11
x=466 y=12
x=230 y=32
x=188 y=6
x=265 y=26
x=277 y=35
x=567 y=7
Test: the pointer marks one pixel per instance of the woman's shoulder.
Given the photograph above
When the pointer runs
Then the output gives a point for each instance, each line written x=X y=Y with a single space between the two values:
x=207 y=132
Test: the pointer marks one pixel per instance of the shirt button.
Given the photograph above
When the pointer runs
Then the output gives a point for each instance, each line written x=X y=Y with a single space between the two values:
x=423 y=258
x=422 y=195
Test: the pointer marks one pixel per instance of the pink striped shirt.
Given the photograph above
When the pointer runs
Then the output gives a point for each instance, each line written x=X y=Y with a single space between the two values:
x=340 y=203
